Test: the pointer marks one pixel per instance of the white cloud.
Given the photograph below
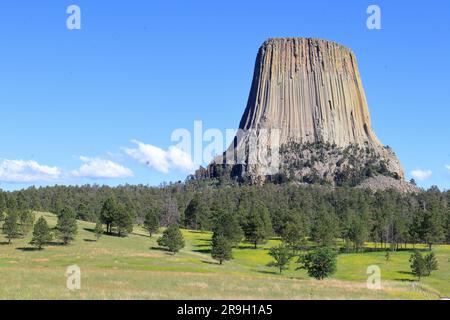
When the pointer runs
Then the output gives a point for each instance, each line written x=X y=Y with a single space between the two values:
x=448 y=166
x=421 y=174
x=21 y=171
x=97 y=168
x=180 y=159
x=159 y=159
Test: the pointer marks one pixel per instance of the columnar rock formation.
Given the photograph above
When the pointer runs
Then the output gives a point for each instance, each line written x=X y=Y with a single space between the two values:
x=312 y=92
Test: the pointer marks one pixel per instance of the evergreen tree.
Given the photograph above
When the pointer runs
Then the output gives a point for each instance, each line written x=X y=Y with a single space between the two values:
x=151 y=222
x=2 y=205
x=226 y=224
x=57 y=206
x=221 y=249
x=123 y=220
x=257 y=227
x=282 y=256
x=356 y=228
x=66 y=226
x=432 y=229
x=83 y=212
x=108 y=213
x=320 y=263
x=21 y=201
x=415 y=229
x=418 y=265
x=293 y=236
x=447 y=222
x=172 y=239
x=11 y=203
x=41 y=234
x=10 y=226
x=196 y=214
x=431 y=263
x=35 y=204
x=26 y=219
x=98 y=230
x=325 y=227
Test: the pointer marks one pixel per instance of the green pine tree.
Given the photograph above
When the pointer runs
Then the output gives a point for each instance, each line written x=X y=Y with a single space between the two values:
x=98 y=230
x=151 y=221
x=172 y=239
x=108 y=213
x=41 y=234
x=257 y=227
x=221 y=249
x=431 y=263
x=196 y=215
x=293 y=236
x=418 y=265
x=226 y=224
x=123 y=220
x=26 y=220
x=10 y=226
x=432 y=228
x=325 y=227
x=66 y=227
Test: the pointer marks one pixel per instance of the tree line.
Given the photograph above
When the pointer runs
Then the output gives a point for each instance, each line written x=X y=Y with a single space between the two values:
x=332 y=218
x=323 y=214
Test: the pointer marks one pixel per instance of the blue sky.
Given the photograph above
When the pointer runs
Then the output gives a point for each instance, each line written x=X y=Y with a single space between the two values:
x=88 y=106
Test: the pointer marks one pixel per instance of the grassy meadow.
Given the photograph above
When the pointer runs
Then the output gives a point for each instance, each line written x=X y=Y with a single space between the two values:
x=134 y=267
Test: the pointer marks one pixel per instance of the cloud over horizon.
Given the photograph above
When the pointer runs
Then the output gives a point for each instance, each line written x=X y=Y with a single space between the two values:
x=22 y=171
x=421 y=174
x=159 y=159
x=98 y=168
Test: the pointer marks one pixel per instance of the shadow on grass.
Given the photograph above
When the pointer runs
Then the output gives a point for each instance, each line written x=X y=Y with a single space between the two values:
x=56 y=244
x=114 y=235
x=28 y=249
x=206 y=250
x=211 y=262
x=405 y=280
x=158 y=248
x=90 y=240
x=250 y=246
x=4 y=243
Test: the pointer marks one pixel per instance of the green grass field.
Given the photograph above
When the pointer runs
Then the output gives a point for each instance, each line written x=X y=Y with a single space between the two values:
x=135 y=268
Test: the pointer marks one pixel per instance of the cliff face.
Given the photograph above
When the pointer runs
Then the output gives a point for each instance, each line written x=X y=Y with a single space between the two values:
x=310 y=91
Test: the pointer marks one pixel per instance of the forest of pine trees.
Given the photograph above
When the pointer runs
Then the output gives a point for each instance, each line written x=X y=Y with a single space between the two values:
x=295 y=213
